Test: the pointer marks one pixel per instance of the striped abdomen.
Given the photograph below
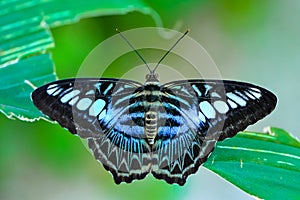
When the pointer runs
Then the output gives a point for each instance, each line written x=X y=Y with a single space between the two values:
x=151 y=126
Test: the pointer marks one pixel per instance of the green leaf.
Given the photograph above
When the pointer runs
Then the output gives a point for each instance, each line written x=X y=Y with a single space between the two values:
x=15 y=85
x=266 y=165
x=25 y=36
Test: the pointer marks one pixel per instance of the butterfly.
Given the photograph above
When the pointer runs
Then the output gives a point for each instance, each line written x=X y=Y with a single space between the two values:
x=168 y=129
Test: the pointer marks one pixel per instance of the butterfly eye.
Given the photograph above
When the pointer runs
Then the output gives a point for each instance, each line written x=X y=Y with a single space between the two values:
x=156 y=75
x=147 y=76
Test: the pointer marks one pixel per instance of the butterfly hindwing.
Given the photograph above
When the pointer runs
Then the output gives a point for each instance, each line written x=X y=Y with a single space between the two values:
x=127 y=158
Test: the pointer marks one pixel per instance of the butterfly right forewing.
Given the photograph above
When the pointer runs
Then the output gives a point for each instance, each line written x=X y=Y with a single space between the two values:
x=225 y=107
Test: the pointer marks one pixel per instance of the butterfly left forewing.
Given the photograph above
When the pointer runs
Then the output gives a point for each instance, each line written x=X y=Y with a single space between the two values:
x=81 y=105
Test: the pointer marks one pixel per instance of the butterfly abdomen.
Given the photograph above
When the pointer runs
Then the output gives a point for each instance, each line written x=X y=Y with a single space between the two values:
x=151 y=126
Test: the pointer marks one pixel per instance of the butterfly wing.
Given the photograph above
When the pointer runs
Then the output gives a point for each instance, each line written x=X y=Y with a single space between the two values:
x=204 y=112
x=192 y=116
x=225 y=106
x=98 y=109
x=83 y=106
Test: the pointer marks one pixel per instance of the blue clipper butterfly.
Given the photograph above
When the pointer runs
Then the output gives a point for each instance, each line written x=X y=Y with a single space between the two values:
x=168 y=130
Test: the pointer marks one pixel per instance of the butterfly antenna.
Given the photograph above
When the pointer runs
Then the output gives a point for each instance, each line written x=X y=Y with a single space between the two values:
x=172 y=47
x=134 y=49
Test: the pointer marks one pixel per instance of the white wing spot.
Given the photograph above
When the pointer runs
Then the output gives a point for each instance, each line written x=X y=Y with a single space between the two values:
x=236 y=98
x=97 y=107
x=221 y=107
x=97 y=85
x=73 y=101
x=231 y=103
x=67 y=97
x=84 y=103
x=207 y=109
x=51 y=88
x=207 y=87
x=214 y=94
x=108 y=88
x=90 y=92
x=255 y=93
x=201 y=117
x=102 y=114
x=242 y=95
x=249 y=95
x=255 y=89
x=197 y=90
x=127 y=86
x=57 y=92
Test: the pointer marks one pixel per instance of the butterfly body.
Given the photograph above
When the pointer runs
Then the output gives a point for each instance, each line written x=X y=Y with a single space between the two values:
x=168 y=130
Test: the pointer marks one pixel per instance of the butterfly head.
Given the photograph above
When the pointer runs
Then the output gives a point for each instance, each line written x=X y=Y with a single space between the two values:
x=152 y=77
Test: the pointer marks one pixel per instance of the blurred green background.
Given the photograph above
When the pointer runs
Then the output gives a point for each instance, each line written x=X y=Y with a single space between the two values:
x=250 y=40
